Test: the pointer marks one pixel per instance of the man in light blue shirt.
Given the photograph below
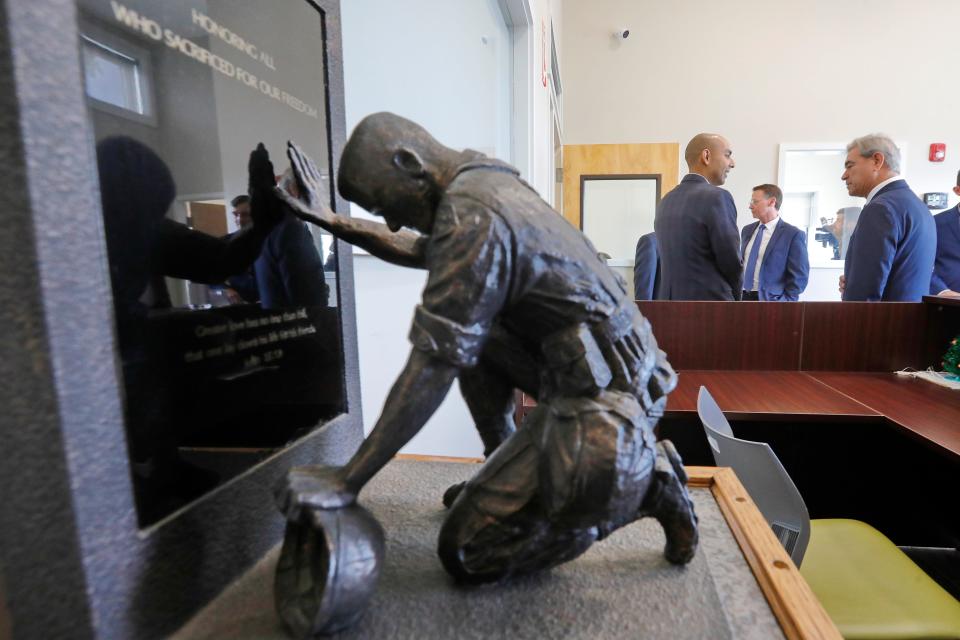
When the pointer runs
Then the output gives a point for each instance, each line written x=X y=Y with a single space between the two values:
x=774 y=252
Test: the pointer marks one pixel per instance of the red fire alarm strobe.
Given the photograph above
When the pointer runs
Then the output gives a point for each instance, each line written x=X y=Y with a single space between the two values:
x=938 y=152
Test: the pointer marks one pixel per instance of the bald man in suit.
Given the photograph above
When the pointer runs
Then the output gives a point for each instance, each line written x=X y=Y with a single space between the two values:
x=696 y=227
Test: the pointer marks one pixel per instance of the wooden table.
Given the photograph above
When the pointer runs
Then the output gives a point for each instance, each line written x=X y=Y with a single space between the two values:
x=766 y=395
x=918 y=408
x=866 y=445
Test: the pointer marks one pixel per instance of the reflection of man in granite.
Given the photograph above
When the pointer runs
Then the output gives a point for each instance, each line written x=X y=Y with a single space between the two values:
x=289 y=269
x=515 y=298
x=143 y=245
x=242 y=287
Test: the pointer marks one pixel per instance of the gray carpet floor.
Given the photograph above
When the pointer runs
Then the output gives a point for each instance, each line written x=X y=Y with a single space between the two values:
x=621 y=588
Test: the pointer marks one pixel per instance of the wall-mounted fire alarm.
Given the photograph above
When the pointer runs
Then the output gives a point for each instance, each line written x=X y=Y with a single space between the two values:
x=938 y=152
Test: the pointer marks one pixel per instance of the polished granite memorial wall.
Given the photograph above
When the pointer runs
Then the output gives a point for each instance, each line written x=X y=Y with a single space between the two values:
x=78 y=557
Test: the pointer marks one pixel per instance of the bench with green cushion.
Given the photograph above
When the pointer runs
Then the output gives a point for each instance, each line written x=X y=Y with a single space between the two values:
x=871 y=589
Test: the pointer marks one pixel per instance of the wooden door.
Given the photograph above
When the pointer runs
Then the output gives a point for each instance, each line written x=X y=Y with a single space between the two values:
x=661 y=159
x=209 y=217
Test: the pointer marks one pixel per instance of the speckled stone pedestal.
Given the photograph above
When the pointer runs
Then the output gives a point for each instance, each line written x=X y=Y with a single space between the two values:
x=621 y=588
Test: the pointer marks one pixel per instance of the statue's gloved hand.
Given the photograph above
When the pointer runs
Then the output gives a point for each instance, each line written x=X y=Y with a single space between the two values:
x=312 y=487
x=266 y=209
x=314 y=200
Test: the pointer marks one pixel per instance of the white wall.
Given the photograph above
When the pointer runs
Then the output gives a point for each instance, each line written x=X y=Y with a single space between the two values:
x=426 y=60
x=543 y=177
x=764 y=73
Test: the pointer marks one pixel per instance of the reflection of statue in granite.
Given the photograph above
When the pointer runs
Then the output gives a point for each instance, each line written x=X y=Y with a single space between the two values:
x=289 y=269
x=515 y=298
x=143 y=245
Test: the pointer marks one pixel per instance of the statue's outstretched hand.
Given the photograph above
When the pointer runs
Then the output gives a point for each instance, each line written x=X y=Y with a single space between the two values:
x=314 y=201
x=312 y=487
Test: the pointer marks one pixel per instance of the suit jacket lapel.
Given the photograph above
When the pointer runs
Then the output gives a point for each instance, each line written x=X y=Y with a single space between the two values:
x=778 y=232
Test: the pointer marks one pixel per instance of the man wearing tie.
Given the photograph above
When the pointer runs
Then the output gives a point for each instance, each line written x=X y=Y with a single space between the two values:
x=946 y=269
x=774 y=252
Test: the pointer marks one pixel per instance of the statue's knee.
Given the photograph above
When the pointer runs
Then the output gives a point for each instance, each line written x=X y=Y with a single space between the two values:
x=461 y=555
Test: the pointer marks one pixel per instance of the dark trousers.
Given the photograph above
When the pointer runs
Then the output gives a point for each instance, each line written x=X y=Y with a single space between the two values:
x=751 y=296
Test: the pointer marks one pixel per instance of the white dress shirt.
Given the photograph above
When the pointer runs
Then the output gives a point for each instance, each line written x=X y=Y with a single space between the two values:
x=877 y=188
x=767 y=234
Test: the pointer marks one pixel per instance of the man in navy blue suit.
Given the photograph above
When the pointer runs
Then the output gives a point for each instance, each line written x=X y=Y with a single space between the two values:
x=696 y=227
x=946 y=268
x=891 y=251
x=776 y=266
x=646 y=268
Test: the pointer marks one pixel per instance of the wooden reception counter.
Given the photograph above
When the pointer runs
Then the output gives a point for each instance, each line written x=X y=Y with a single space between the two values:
x=920 y=409
x=816 y=381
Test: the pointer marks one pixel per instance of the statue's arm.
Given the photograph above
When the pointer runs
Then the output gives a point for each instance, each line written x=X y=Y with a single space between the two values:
x=405 y=248
x=415 y=396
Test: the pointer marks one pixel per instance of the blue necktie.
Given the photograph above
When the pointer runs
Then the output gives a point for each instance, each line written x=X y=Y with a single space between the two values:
x=749 y=273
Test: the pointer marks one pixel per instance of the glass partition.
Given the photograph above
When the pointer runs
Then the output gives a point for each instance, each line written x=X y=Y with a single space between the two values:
x=816 y=200
x=616 y=210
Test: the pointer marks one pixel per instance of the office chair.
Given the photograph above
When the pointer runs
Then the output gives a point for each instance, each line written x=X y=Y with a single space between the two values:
x=868 y=586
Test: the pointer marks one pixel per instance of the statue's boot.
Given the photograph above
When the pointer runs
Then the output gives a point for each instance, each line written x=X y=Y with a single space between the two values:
x=669 y=502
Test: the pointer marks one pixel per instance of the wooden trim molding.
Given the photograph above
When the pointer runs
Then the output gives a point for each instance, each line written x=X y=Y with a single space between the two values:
x=794 y=604
x=422 y=458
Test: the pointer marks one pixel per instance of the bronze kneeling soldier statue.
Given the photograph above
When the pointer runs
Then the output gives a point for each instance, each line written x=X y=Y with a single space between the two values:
x=516 y=298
